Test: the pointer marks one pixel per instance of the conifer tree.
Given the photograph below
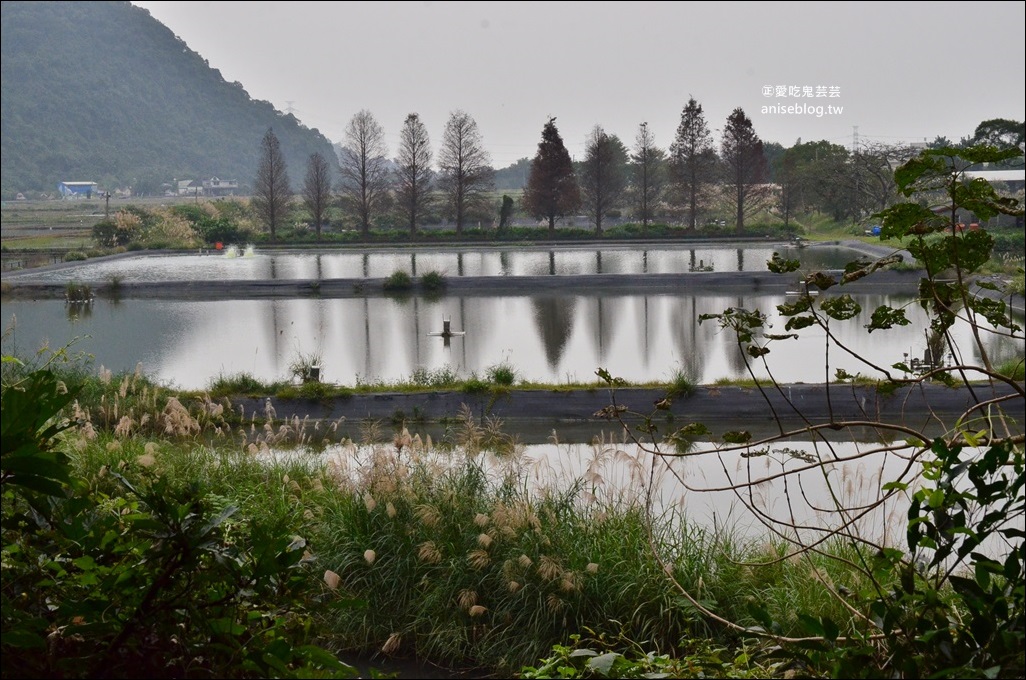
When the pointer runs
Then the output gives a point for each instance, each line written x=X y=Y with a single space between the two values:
x=692 y=161
x=552 y=189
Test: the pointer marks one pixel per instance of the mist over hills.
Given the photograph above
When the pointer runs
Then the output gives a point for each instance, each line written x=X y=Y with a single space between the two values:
x=103 y=92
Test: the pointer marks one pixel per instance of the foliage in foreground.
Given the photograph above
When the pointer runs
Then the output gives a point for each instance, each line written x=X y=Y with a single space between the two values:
x=129 y=573
x=952 y=602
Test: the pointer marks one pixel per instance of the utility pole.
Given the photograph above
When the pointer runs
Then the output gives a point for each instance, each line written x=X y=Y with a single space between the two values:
x=106 y=210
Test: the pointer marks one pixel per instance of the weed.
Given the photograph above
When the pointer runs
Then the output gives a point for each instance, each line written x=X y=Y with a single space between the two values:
x=433 y=281
x=398 y=281
x=78 y=292
x=502 y=374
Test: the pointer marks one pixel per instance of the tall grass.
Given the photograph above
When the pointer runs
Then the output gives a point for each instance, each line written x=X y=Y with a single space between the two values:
x=453 y=554
x=458 y=555
x=460 y=559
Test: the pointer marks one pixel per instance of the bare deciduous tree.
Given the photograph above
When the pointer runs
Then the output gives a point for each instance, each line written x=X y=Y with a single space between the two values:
x=413 y=172
x=744 y=167
x=317 y=189
x=692 y=161
x=272 y=194
x=364 y=168
x=603 y=175
x=871 y=176
x=465 y=173
x=648 y=174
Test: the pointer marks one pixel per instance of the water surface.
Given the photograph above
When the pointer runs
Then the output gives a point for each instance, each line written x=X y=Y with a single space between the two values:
x=491 y=261
x=550 y=338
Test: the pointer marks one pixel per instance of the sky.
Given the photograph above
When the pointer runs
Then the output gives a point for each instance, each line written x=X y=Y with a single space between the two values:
x=871 y=72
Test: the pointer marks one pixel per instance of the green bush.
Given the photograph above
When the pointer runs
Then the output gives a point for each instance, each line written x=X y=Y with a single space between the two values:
x=444 y=376
x=433 y=281
x=133 y=573
x=75 y=256
x=502 y=374
x=77 y=292
x=239 y=384
x=398 y=281
x=220 y=230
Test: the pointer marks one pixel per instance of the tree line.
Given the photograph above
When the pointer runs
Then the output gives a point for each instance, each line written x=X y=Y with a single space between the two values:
x=685 y=183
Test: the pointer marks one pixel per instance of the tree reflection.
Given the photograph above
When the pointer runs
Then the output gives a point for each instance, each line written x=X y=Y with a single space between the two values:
x=554 y=316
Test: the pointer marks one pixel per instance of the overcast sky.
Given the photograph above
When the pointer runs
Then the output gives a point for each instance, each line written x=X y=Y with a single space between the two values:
x=900 y=71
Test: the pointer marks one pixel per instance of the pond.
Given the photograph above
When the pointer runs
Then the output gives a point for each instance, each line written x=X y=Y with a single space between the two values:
x=244 y=265
x=609 y=472
x=546 y=337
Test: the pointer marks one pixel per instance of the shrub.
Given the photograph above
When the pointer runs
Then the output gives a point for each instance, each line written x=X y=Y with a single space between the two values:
x=306 y=368
x=433 y=281
x=398 y=281
x=681 y=384
x=78 y=292
x=444 y=376
x=75 y=256
x=239 y=383
x=502 y=374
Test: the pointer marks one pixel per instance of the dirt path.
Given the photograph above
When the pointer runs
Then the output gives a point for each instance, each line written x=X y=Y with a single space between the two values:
x=538 y=412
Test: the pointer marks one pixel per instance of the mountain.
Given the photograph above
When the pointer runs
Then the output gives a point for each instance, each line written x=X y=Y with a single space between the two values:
x=103 y=92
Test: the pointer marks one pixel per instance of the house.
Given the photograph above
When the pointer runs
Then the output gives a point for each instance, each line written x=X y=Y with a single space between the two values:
x=77 y=189
x=220 y=187
x=189 y=187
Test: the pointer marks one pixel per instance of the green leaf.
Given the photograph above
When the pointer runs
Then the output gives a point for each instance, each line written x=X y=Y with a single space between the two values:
x=693 y=430
x=582 y=652
x=737 y=436
x=603 y=663
x=908 y=219
x=841 y=308
x=778 y=265
x=885 y=317
x=799 y=322
x=23 y=639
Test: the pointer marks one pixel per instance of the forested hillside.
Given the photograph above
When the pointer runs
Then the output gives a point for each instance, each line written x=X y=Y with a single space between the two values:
x=103 y=92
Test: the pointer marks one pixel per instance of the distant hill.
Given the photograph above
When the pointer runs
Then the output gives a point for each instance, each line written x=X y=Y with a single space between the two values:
x=103 y=92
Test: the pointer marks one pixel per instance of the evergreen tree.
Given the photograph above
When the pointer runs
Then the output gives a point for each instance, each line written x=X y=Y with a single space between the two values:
x=647 y=164
x=603 y=175
x=744 y=166
x=693 y=160
x=552 y=189
x=272 y=194
x=505 y=211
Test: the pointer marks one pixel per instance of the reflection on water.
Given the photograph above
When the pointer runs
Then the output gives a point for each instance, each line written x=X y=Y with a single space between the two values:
x=547 y=337
x=799 y=488
x=611 y=473
x=494 y=261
